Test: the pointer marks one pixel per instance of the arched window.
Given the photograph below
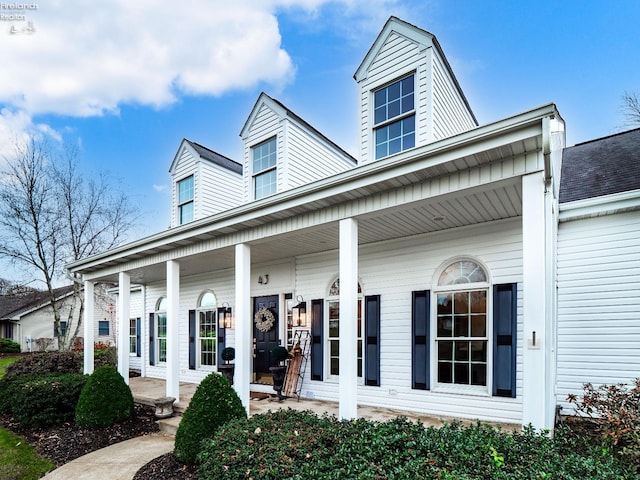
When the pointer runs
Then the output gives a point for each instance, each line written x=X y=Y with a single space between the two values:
x=161 y=330
x=207 y=329
x=333 y=309
x=461 y=328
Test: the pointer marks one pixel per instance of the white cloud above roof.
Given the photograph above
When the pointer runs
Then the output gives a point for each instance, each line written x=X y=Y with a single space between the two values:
x=86 y=59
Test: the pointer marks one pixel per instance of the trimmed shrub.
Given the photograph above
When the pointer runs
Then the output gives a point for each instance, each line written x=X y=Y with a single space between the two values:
x=105 y=399
x=46 y=362
x=213 y=404
x=39 y=400
x=293 y=444
x=9 y=346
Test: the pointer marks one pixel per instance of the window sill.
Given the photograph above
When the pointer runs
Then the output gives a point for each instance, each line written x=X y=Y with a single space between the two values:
x=475 y=391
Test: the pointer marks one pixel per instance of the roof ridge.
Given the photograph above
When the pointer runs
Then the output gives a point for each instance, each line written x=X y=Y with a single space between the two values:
x=605 y=137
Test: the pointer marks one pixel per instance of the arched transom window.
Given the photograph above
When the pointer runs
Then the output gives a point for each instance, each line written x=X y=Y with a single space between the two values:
x=461 y=327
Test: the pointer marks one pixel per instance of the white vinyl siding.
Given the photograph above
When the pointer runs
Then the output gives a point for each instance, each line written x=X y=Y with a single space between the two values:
x=399 y=56
x=598 y=302
x=302 y=155
x=185 y=167
x=450 y=113
x=393 y=270
x=440 y=108
x=215 y=188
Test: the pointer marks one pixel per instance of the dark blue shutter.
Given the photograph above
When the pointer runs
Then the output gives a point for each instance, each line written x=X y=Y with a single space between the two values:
x=420 y=312
x=138 y=337
x=192 y=339
x=152 y=343
x=221 y=334
x=317 y=339
x=504 y=339
x=372 y=340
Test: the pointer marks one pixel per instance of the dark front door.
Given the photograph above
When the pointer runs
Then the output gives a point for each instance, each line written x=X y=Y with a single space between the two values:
x=264 y=341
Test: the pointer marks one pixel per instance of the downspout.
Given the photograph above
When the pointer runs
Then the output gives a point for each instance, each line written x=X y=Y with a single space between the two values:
x=546 y=149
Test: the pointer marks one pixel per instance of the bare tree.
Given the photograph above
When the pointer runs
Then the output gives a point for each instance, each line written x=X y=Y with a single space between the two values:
x=51 y=215
x=631 y=108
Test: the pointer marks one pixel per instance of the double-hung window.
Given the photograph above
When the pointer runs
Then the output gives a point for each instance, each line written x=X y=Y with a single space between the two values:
x=461 y=328
x=185 y=200
x=133 y=336
x=394 y=117
x=161 y=332
x=207 y=330
x=333 y=304
x=264 y=169
x=103 y=328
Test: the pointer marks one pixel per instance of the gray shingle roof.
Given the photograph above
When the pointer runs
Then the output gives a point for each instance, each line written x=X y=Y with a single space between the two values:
x=215 y=157
x=601 y=167
x=12 y=305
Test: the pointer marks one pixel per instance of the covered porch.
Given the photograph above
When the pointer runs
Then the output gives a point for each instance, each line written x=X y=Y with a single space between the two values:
x=146 y=389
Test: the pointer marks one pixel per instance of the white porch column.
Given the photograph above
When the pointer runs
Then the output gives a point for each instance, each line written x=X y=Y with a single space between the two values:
x=348 y=407
x=173 y=343
x=124 y=312
x=144 y=334
x=535 y=386
x=89 y=333
x=244 y=324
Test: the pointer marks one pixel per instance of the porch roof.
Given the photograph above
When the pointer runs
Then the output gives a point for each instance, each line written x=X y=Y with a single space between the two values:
x=482 y=149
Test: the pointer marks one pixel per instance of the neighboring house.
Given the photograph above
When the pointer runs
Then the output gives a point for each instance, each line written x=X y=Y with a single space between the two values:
x=424 y=271
x=27 y=318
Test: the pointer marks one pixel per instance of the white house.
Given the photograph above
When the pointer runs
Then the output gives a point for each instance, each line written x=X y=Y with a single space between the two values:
x=424 y=271
x=26 y=317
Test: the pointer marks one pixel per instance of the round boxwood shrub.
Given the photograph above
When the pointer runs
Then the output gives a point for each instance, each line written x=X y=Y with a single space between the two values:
x=105 y=399
x=213 y=404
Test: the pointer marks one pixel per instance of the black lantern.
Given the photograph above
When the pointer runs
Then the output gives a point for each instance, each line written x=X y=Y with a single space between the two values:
x=227 y=318
x=300 y=312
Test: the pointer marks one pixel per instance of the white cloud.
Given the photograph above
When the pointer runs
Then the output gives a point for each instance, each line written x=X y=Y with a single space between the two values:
x=160 y=188
x=87 y=58
x=16 y=128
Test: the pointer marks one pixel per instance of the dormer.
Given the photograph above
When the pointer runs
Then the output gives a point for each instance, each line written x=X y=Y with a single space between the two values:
x=203 y=183
x=282 y=151
x=408 y=93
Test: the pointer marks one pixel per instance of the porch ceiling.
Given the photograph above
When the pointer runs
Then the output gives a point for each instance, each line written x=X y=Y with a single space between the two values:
x=480 y=205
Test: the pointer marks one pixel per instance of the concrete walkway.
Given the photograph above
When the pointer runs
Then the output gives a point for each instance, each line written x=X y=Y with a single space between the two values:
x=120 y=461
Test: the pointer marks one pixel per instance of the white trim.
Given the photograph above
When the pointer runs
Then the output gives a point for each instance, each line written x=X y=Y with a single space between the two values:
x=124 y=312
x=602 y=205
x=348 y=260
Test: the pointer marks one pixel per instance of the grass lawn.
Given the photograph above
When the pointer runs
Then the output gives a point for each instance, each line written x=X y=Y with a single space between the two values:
x=18 y=461
x=4 y=362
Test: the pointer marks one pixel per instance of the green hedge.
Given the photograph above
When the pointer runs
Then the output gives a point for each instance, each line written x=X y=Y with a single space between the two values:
x=289 y=444
x=39 y=400
x=105 y=399
x=46 y=362
x=213 y=404
x=9 y=346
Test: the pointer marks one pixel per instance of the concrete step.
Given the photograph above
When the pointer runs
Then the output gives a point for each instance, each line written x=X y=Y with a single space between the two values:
x=170 y=425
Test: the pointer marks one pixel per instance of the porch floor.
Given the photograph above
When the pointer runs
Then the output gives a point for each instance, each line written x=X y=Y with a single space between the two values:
x=146 y=389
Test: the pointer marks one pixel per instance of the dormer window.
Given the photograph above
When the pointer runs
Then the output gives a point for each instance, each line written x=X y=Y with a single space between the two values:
x=185 y=200
x=264 y=169
x=394 y=121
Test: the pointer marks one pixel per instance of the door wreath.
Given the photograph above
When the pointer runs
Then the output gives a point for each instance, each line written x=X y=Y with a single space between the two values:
x=264 y=319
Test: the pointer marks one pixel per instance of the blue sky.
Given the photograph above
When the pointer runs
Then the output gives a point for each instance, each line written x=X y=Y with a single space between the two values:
x=127 y=80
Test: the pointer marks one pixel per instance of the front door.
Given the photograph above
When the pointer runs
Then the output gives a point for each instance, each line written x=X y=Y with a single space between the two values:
x=264 y=339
